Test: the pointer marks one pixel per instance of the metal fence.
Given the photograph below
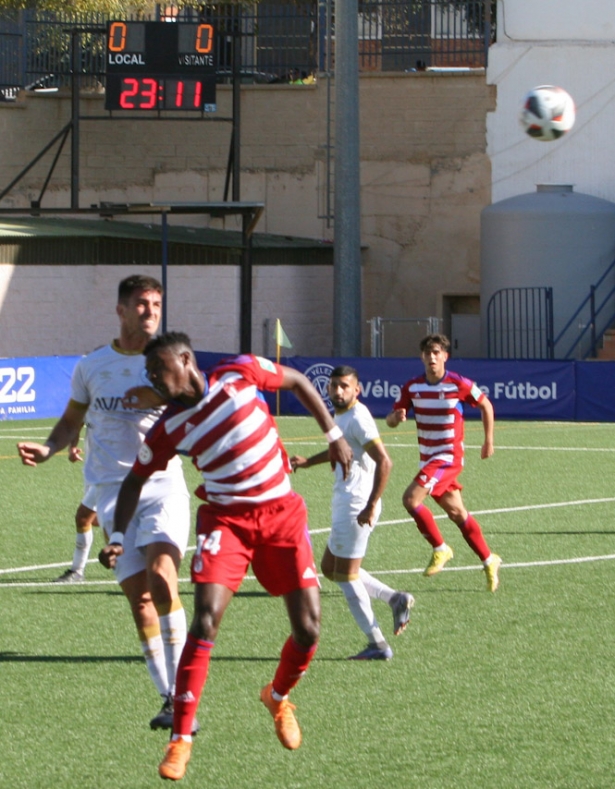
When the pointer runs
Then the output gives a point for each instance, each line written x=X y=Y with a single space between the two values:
x=520 y=324
x=392 y=337
x=280 y=42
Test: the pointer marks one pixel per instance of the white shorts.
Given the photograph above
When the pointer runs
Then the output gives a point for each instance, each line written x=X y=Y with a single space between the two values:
x=89 y=497
x=348 y=539
x=163 y=515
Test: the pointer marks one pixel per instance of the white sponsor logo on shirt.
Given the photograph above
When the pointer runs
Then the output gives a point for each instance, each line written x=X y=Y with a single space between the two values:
x=145 y=455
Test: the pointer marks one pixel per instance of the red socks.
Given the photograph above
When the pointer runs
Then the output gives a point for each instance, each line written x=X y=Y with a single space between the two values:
x=194 y=665
x=294 y=662
x=191 y=676
x=471 y=531
x=427 y=525
x=473 y=535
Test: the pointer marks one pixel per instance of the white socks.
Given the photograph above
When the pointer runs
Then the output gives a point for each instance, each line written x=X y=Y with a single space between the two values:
x=83 y=543
x=360 y=607
x=376 y=588
x=153 y=651
x=173 y=631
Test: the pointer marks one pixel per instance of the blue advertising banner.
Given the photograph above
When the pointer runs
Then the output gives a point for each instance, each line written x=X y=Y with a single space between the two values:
x=518 y=390
x=35 y=387
x=595 y=400
x=39 y=387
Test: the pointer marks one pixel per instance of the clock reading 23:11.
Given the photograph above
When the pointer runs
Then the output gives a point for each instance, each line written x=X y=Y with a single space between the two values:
x=161 y=66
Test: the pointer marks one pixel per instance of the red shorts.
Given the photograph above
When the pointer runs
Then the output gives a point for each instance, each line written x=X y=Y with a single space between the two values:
x=439 y=477
x=273 y=537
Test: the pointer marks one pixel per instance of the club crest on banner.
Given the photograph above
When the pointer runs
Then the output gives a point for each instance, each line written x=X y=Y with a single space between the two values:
x=319 y=375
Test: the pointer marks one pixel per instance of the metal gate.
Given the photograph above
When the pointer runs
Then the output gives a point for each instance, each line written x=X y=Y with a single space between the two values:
x=520 y=324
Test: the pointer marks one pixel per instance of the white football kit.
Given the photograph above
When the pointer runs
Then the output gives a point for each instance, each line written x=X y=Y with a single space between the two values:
x=115 y=435
x=348 y=539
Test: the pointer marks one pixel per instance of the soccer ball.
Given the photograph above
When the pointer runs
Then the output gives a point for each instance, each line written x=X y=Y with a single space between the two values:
x=547 y=113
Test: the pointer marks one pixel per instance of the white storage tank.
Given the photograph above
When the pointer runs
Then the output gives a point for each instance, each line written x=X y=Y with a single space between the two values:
x=554 y=237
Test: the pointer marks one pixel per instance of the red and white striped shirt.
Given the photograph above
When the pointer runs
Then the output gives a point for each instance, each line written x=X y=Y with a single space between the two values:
x=230 y=436
x=438 y=411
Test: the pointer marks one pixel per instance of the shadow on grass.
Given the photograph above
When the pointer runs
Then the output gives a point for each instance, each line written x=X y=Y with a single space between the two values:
x=19 y=657
x=72 y=590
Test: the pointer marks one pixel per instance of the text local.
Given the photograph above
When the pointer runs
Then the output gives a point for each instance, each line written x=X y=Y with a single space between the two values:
x=118 y=58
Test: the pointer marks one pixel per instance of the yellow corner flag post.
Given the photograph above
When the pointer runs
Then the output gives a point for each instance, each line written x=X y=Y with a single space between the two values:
x=281 y=341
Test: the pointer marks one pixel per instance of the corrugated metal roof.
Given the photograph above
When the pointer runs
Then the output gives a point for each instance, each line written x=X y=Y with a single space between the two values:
x=45 y=227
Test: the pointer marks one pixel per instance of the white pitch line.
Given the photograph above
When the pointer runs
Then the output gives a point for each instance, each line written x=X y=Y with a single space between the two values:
x=408 y=571
x=395 y=522
x=413 y=445
x=499 y=510
x=498 y=447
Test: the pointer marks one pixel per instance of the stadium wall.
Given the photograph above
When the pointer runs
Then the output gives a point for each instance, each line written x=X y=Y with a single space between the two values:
x=65 y=310
x=425 y=178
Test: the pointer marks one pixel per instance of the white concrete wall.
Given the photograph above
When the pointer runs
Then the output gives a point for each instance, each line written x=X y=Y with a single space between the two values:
x=68 y=310
x=556 y=20
x=560 y=42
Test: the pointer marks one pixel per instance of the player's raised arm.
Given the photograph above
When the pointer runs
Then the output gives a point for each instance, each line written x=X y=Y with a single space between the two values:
x=65 y=433
x=300 y=386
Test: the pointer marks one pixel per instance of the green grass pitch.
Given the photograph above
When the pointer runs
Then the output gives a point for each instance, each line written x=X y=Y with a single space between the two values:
x=514 y=689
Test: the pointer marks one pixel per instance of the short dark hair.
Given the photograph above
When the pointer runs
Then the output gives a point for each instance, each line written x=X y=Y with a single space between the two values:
x=435 y=339
x=344 y=369
x=172 y=339
x=136 y=282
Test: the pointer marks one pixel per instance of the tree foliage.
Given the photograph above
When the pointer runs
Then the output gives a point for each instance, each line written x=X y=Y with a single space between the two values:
x=474 y=13
x=68 y=7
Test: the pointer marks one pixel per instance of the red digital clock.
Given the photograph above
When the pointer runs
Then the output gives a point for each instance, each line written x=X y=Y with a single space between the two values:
x=160 y=93
x=160 y=66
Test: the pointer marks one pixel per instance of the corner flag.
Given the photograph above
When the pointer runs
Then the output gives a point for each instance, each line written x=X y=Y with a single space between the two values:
x=280 y=336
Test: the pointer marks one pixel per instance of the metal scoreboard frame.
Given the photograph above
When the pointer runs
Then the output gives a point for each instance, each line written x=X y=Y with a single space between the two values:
x=160 y=66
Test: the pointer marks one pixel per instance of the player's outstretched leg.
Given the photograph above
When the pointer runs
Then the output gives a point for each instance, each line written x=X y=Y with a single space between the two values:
x=401 y=604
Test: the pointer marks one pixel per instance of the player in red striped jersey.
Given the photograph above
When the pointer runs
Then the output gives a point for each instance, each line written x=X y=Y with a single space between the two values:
x=251 y=515
x=437 y=399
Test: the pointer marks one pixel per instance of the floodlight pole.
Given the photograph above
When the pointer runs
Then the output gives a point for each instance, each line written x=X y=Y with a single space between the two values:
x=74 y=148
x=347 y=203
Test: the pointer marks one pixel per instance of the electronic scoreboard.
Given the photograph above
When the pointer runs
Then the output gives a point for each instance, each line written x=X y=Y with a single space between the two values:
x=161 y=66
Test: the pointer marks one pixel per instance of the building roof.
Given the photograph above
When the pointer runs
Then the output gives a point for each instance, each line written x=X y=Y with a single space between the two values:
x=44 y=227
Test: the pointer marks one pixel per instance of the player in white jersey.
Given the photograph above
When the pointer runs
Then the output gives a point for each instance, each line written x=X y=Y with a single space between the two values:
x=158 y=534
x=355 y=508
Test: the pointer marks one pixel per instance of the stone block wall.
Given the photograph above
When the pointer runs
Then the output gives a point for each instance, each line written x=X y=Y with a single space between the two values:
x=425 y=177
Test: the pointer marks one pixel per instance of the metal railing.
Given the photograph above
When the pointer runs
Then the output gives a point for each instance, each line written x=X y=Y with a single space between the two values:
x=399 y=336
x=280 y=42
x=584 y=330
x=520 y=324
